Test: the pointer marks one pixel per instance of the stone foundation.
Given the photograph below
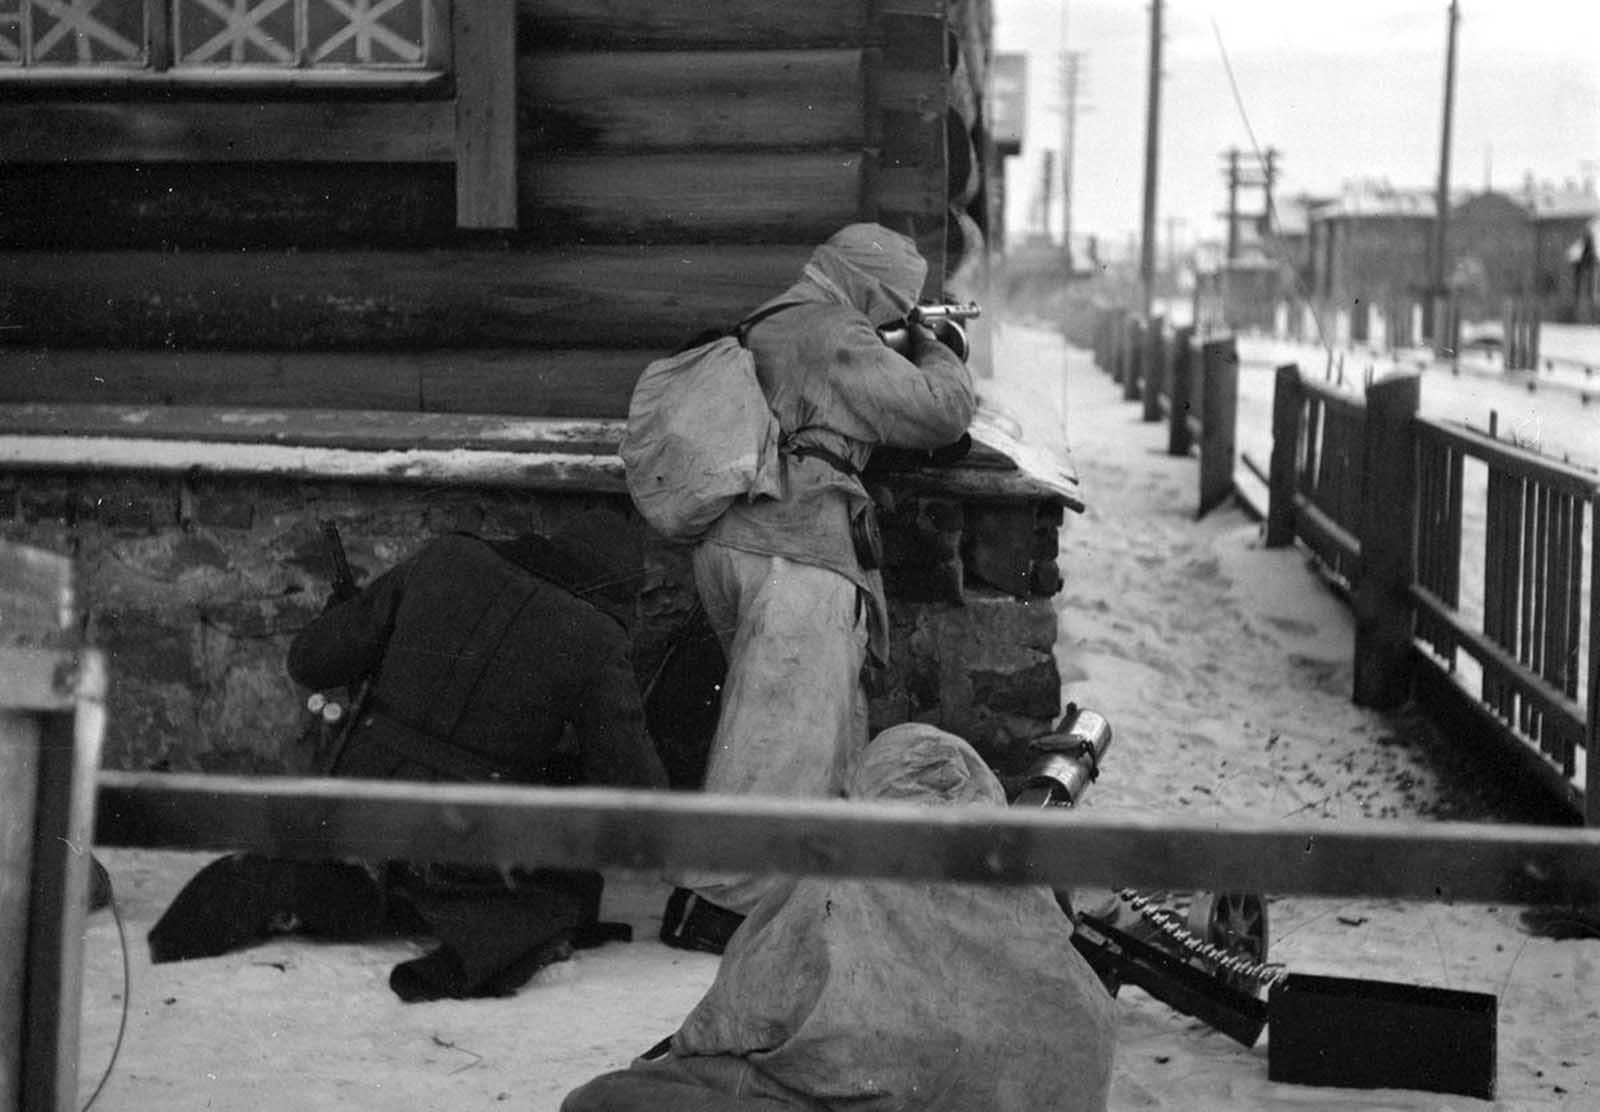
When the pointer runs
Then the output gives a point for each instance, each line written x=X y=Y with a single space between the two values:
x=193 y=588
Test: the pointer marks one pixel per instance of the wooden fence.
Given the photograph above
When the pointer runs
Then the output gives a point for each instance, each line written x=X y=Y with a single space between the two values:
x=1415 y=516
x=1188 y=380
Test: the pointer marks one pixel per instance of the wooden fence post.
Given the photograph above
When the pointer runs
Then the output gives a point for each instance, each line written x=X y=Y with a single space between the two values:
x=1360 y=321
x=1219 y=399
x=1383 y=609
x=1181 y=411
x=1133 y=366
x=1286 y=403
x=51 y=723
x=1155 y=367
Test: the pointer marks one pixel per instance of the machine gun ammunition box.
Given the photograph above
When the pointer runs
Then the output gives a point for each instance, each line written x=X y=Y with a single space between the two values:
x=1359 y=1034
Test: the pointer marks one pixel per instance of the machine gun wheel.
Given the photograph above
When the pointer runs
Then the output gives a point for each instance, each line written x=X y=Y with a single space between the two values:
x=1233 y=921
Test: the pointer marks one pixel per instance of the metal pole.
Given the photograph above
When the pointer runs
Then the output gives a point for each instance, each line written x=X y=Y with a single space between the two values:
x=1068 y=142
x=1147 y=252
x=1441 y=223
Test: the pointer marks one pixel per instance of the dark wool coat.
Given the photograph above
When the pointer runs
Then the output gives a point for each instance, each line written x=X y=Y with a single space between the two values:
x=482 y=657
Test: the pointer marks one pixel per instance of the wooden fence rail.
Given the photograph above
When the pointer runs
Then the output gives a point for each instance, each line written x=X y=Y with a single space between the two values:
x=640 y=830
x=1382 y=497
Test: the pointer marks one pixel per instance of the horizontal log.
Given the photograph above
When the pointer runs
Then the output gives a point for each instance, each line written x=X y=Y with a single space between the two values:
x=641 y=830
x=557 y=383
x=687 y=24
x=724 y=197
x=705 y=100
x=219 y=206
x=669 y=198
x=227 y=131
x=607 y=297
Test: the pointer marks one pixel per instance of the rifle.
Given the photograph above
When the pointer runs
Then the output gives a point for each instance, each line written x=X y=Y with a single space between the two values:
x=944 y=320
x=1210 y=965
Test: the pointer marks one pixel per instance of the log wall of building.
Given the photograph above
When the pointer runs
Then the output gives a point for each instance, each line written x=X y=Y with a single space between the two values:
x=673 y=166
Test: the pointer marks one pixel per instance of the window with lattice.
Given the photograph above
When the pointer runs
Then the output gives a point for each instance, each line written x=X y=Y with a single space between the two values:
x=223 y=39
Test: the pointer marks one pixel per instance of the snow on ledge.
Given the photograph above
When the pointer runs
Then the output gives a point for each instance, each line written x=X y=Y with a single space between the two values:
x=454 y=466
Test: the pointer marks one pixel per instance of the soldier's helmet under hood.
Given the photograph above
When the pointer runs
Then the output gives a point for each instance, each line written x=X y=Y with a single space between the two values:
x=870 y=267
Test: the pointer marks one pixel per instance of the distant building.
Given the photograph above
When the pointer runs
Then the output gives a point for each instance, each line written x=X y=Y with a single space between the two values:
x=1583 y=264
x=1490 y=253
x=1371 y=245
x=1008 y=123
x=1561 y=219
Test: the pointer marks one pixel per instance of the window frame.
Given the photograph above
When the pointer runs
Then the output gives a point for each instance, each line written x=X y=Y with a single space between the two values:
x=159 y=67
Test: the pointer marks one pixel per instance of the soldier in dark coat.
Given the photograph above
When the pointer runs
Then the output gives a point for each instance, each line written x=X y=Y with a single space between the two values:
x=480 y=661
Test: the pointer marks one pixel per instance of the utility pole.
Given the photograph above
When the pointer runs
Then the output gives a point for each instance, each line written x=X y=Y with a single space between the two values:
x=1041 y=204
x=1069 y=79
x=1147 y=246
x=1232 y=215
x=1441 y=221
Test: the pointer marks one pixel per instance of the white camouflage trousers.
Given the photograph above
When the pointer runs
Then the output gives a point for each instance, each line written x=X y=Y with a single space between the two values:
x=793 y=709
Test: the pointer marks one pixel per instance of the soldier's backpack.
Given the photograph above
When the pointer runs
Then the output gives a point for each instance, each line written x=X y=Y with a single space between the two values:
x=700 y=434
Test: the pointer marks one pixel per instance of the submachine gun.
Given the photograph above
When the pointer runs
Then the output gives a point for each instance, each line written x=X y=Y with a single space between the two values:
x=943 y=320
x=1209 y=962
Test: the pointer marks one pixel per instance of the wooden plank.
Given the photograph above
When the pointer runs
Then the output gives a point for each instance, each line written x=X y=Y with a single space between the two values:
x=1335 y=546
x=1474 y=722
x=69 y=757
x=1510 y=673
x=328 y=380
x=610 y=297
x=176 y=206
x=365 y=429
x=1286 y=407
x=560 y=383
x=1219 y=394
x=19 y=780
x=1513 y=460
x=485 y=70
x=793 y=197
x=686 y=197
x=904 y=180
x=267 y=130
x=1591 y=732
x=644 y=830
x=1383 y=611
x=642 y=101
x=687 y=25
x=575 y=383
x=36 y=607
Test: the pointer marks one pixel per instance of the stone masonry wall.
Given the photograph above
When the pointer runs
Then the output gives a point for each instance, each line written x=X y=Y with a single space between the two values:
x=193 y=588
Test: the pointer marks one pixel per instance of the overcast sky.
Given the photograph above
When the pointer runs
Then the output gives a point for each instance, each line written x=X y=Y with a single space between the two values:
x=1341 y=90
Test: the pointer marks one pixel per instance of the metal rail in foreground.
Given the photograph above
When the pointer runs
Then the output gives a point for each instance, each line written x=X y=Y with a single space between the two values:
x=646 y=831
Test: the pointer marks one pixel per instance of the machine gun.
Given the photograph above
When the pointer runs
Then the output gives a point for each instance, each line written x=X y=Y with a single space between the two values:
x=943 y=320
x=1210 y=964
